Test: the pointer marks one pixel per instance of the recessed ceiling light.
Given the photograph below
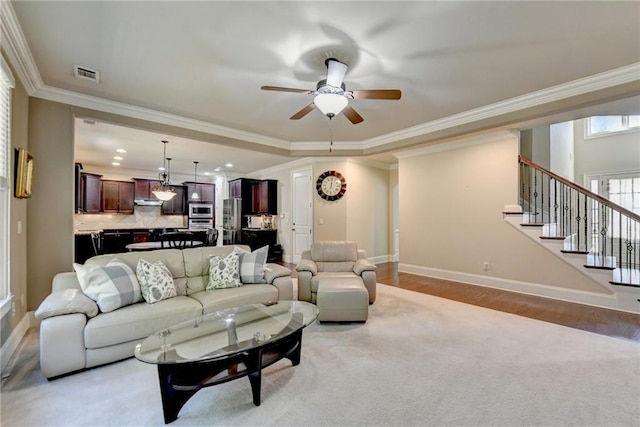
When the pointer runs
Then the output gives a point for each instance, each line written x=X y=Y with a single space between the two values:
x=121 y=150
x=117 y=158
x=229 y=165
x=115 y=163
x=160 y=168
x=217 y=169
x=207 y=173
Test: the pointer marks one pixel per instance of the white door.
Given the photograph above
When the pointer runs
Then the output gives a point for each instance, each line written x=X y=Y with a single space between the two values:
x=301 y=212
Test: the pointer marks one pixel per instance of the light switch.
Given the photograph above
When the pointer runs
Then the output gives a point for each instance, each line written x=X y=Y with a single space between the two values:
x=19 y=227
x=321 y=221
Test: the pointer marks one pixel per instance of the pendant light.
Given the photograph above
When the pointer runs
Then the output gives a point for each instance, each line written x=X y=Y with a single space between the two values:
x=195 y=195
x=165 y=192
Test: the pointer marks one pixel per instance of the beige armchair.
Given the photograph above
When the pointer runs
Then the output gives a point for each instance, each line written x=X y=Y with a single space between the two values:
x=335 y=260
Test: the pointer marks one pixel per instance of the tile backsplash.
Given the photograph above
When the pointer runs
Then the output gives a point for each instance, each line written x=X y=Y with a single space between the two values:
x=143 y=217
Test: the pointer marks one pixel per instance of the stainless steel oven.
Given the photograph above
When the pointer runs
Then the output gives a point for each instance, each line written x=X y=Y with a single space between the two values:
x=200 y=210
x=200 y=223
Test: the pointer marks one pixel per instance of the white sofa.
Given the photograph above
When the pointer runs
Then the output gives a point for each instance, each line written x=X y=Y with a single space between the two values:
x=77 y=336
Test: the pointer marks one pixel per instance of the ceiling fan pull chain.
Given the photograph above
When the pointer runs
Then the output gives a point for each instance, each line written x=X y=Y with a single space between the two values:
x=330 y=137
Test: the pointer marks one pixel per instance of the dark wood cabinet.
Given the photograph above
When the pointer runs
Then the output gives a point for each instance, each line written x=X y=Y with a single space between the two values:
x=175 y=206
x=256 y=239
x=90 y=193
x=235 y=189
x=206 y=192
x=143 y=188
x=265 y=197
x=117 y=196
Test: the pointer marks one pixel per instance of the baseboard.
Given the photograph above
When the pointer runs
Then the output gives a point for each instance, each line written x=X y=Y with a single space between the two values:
x=568 y=295
x=11 y=345
x=380 y=259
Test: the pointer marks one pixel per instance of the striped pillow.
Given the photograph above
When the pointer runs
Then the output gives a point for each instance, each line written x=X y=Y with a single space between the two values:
x=111 y=287
x=252 y=265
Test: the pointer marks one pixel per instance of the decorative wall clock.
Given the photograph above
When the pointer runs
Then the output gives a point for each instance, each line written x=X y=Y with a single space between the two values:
x=331 y=185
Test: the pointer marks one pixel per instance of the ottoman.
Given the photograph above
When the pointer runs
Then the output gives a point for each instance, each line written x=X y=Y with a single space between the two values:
x=342 y=299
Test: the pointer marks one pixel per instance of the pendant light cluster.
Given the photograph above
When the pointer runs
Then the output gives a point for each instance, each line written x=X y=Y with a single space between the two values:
x=195 y=195
x=165 y=192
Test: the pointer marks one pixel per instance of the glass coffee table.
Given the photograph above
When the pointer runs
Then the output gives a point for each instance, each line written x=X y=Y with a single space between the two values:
x=222 y=346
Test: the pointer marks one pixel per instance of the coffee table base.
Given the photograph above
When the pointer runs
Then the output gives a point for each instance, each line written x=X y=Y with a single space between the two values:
x=180 y=381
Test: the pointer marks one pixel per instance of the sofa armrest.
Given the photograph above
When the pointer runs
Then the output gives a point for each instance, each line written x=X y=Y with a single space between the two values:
x=273 y=271
x=64 y=302
x=363 y=265
x=307 y=265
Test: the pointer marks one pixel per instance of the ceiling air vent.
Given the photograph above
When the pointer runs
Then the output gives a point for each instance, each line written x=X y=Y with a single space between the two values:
x=86 y=73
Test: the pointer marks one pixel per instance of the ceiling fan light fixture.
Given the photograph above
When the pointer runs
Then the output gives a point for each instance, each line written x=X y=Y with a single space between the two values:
x=195 y=195
x=335 y=72
x=331 y=104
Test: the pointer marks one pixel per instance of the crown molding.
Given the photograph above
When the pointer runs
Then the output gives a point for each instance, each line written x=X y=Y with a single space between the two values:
x=324 y=145
x=17 y=50
x=607 y=79
x=454 y=144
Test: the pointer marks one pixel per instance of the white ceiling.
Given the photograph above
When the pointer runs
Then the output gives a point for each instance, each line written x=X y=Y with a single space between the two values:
x=204 y=62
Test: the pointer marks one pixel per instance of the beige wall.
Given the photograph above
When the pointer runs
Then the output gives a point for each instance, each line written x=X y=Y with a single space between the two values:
x=18 y=214
x=450 y=216
x=50 y=213
x=368 y=208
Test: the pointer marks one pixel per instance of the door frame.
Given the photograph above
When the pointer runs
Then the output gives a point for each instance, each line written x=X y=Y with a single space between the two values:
x=307 y=170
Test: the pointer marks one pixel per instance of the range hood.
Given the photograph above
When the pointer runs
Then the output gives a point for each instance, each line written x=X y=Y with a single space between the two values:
x=145 y=202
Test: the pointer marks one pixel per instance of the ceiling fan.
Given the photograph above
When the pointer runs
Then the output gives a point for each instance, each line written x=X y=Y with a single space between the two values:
x=332 y=96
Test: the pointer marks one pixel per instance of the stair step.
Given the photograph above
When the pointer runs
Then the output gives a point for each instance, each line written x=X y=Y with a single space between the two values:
x=599 y=267
x=566 y=251
x=532 y=224
x=553 y=237
x=626 y=277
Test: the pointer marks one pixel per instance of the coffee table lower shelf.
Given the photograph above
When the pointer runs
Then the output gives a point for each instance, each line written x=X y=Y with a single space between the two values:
x=180 y=381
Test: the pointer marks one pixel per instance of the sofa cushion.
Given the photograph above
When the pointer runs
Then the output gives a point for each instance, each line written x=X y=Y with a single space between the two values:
x=172 y=258
x=138 y=321
x=224 y=271
x=252 y=265
x=66 y=302
x=315 y=280
x=218 y=299
x=155 y=281
x=334 y=251
x=111 y=286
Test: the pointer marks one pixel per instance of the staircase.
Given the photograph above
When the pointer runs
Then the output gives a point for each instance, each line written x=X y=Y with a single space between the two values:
x=597 y=237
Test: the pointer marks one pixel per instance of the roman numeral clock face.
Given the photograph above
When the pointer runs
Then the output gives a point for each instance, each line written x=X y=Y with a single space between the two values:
x=331 y=185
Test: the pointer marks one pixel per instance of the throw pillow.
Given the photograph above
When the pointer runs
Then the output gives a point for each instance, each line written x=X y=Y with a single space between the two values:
x=252 y=265
x=156 y=283
x=224 y=271
x=111 y=287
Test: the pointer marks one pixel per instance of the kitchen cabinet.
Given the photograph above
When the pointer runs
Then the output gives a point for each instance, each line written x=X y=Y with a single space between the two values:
x=175 y=206
x=143 y=188
x=235 y=189
x=265 y=197
x=207 y=192
x=89 y=193
x=117 y=196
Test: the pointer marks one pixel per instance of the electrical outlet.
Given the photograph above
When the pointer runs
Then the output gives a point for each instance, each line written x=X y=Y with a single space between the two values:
x=485 y=266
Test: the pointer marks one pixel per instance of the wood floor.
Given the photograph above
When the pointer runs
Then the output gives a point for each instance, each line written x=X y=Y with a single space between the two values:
x=588 y=318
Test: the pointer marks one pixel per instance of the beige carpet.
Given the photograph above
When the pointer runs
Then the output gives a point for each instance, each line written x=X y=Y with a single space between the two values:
x=419 y=360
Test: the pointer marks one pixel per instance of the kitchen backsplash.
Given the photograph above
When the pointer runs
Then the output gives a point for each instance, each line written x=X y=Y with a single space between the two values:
x=143 y=217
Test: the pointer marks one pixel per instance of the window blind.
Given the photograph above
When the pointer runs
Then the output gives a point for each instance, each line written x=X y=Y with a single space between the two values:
x=6 y=84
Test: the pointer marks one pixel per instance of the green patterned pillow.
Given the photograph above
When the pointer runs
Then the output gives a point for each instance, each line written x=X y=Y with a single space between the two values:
x=224 y=271
x=156 y=282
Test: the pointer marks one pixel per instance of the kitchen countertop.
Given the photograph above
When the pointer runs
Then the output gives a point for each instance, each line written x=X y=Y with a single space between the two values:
x=258 y=229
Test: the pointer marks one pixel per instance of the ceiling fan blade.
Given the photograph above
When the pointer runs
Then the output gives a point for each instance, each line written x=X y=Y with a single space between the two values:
x=306 y=110
x=335 y=72
x=392 y=94
x=352 y=115
x=285 y=89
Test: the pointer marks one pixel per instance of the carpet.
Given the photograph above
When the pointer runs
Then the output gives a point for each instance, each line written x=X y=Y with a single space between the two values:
x=419 y=360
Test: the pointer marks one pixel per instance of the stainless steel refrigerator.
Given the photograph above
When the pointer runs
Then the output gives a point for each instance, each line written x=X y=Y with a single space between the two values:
x=231 y=221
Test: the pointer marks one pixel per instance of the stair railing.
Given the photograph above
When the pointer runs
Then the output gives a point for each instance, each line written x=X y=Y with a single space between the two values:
x=588 y=223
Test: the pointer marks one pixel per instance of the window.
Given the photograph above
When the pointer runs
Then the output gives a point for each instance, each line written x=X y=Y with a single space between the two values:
x=603 y=125
x=6 y=83
x=621 y=189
